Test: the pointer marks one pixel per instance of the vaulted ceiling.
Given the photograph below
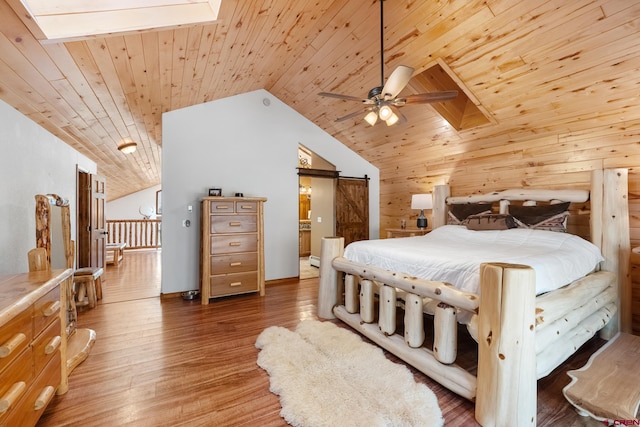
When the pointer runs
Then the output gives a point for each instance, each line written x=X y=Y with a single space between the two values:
x=530 y=67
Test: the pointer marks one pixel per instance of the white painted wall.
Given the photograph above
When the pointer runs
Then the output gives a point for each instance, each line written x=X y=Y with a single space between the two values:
x=127 y=207
x=242 y=145
x=33 y=161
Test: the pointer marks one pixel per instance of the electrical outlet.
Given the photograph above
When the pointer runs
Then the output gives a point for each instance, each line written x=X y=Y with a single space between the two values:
x=319 y=219
x=186 y=223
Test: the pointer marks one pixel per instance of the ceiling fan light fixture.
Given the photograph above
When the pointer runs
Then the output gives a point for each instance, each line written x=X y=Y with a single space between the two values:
x=385 y=112
x=128 y=148
x=371 y=118
x=385 y=98
x=392 y=120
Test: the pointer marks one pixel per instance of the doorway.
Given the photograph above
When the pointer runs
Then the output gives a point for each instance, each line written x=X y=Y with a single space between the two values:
x=316 y=183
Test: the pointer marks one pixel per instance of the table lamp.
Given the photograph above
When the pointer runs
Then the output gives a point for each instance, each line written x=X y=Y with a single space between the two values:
x=422 y=202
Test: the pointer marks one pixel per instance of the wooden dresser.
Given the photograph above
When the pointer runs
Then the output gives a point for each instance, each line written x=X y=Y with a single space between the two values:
x=32 y=344
x=232 y=258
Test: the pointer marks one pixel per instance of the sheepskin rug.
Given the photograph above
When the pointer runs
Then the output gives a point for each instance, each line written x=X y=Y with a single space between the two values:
x=327 y=376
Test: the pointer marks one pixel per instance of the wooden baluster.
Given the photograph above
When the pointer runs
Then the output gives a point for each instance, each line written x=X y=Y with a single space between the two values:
x=387 y=317
x=367 y=301
x=351 y=293
x=413 y=322
x=445 y=333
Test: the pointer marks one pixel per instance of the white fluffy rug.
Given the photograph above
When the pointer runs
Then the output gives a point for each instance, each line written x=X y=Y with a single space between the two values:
x=327 y=376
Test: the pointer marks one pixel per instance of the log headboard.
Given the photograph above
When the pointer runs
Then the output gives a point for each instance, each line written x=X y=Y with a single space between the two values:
x=609 y=223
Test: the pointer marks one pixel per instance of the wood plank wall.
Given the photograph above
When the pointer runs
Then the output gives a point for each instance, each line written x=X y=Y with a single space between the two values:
x=562 y=160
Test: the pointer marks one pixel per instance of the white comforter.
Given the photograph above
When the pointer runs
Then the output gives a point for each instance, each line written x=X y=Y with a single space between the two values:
x=453 y=254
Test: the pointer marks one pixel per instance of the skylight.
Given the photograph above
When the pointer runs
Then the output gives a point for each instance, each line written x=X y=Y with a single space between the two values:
x=461 y=113
x=63 y=20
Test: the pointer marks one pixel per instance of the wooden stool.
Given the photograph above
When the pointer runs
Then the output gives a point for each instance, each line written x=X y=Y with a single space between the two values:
x=89 y=282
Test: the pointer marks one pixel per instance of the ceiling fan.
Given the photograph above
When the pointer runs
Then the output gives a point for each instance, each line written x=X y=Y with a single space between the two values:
x=382 y=101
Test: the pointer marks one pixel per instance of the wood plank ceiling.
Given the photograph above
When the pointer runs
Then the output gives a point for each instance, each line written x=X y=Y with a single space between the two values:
x=536 y=67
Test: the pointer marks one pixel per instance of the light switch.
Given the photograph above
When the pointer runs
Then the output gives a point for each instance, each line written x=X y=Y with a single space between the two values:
x=319 y=219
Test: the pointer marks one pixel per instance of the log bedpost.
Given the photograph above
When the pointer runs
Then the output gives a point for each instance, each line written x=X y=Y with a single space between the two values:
x=506 y=386
x=329 y=284
x=439 y=212
x=610 y=232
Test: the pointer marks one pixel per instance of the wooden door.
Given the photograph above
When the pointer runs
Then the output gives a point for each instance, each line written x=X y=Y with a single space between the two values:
x=92 y=231
x=98 y=221
x=352 y=209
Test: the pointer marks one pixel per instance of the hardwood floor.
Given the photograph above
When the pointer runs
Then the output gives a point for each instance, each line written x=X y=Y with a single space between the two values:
x=139 y=267
x=179 y=363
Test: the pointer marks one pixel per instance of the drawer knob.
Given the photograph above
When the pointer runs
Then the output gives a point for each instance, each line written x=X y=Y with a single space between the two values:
x=53 y=308
x=235 y=264
x=44 y=398
x=53 y=345
x=235 y=224
x=222 y=207
x=11 y=396
x=246 y=207
x=235 y=284
x=234 y=243
x=8 y=347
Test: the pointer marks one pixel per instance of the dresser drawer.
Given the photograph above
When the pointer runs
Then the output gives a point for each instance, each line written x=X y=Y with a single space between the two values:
x=233 y=263
x=45 y=310
x=31 y=406
x=217 y=207
x=230 y=284
x=246 y=207
x=20 y=371
x=15 y=336
x=46 y=345
x=234 y=224
x=225 y=244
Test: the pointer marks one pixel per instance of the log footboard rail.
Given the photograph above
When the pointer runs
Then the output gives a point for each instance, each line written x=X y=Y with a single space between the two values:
x=520 y=338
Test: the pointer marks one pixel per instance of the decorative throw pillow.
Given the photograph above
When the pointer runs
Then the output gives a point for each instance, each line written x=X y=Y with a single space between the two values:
x=459 y=212
x=542 y=217
x=490 y=222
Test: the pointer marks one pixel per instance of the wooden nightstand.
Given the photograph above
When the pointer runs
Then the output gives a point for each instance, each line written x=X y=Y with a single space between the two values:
x=406 y=232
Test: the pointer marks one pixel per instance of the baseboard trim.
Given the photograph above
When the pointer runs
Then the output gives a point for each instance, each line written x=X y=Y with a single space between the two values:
x=172 y=295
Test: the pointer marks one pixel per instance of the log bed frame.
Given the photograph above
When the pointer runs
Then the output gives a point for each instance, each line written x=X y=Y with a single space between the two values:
x=520 y=337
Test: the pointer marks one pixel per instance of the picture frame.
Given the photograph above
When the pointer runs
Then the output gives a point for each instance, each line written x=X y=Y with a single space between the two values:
x=159 y=202
x=215 y=192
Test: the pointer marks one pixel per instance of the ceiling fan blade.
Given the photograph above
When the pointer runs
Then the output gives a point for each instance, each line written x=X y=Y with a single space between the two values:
x=354 y=114
x=339 y=96
x=426 y=98
x=397 y=81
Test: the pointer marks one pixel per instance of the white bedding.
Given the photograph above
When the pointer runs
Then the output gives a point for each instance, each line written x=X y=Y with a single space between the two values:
x=453 y=254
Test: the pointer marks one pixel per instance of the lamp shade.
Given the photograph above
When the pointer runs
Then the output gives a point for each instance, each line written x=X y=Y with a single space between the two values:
x=421 y=201
x=371 y=118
